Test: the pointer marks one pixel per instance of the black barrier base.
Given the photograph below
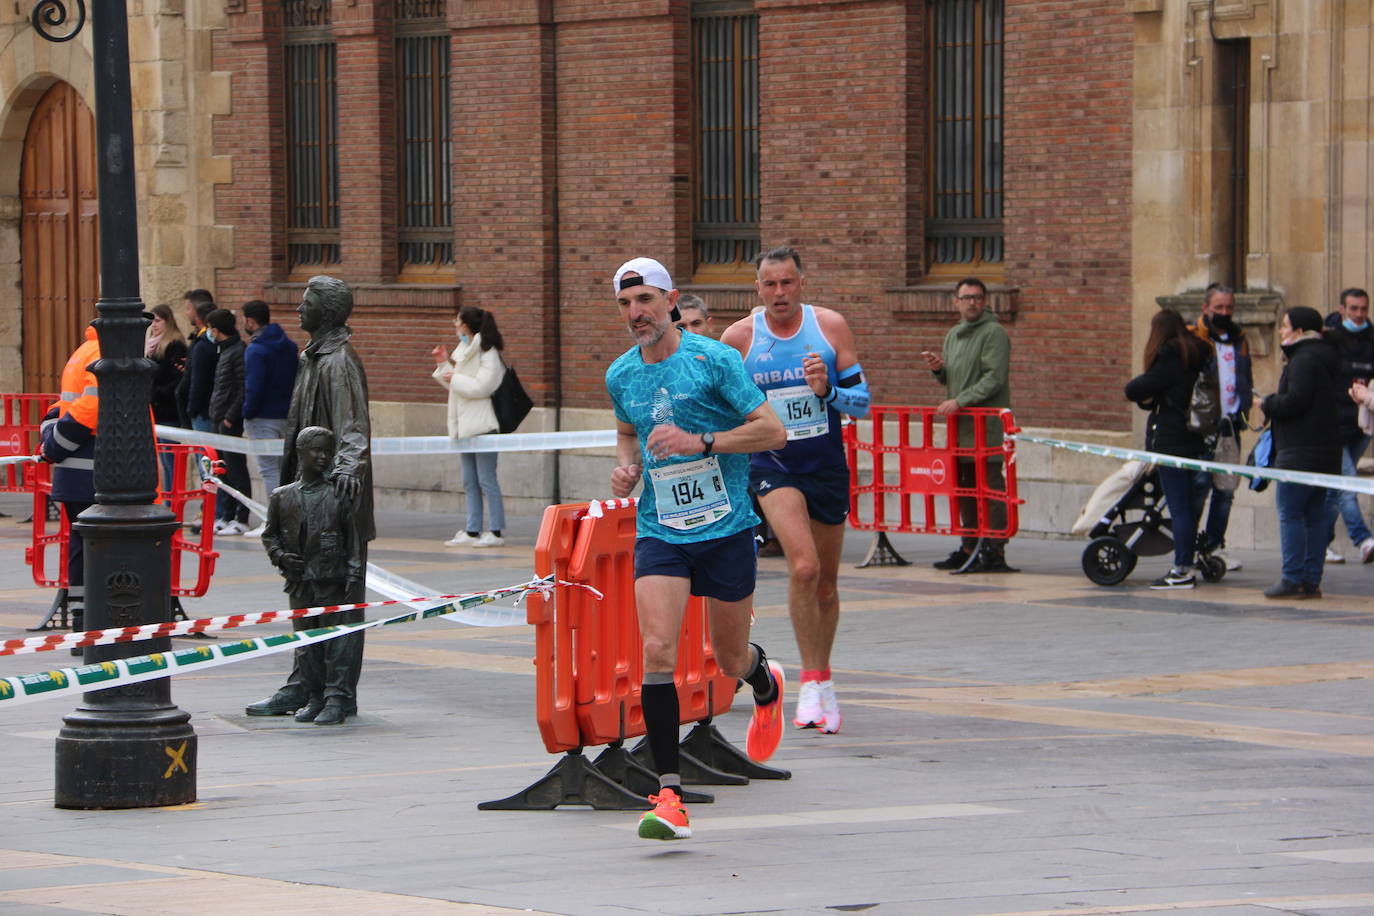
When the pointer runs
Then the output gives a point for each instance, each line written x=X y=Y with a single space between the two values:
x=574 y=780
x=624 y=768
x=706 y=744
x=694 y=770
x=57 y=612
x=882 y=553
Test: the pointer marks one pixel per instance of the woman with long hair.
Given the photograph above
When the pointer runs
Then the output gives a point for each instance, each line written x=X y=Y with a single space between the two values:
x=165 y=345
x=1173 y=357
x=1306 y=438
x=471 y=374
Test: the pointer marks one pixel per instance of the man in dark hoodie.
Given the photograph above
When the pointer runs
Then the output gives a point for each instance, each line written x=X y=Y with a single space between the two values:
x=226 y=411
x=269 y=372
x=1349 y=329
x=198 y=381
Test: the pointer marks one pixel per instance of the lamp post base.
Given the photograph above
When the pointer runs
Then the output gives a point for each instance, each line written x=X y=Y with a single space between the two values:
x=146 y=761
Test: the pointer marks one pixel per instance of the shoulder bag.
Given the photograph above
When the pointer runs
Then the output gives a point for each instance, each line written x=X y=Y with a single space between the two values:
x=510 y=402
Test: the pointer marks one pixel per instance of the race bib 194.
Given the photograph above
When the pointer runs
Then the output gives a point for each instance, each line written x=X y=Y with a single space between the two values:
x=690 y=494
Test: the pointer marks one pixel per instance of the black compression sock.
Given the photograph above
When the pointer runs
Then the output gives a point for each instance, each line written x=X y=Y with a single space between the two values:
x=661 y=721
x=758 y=678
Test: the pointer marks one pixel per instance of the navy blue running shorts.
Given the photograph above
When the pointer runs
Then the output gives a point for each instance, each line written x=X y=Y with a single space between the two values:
x=826 y=490
x=722 y=568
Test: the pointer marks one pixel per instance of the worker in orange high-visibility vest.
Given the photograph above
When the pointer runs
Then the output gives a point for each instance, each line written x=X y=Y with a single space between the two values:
x=68 y=436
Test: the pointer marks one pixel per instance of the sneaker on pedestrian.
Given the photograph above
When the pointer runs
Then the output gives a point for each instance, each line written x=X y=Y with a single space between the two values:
x=1285 y=589
x=1333 y=557
x=255 y=532
x=461 y=539
x=830 y=707
x=809 y=713
x=233 y=528
x=954 y=561
x=488 y=539
x=1178 y=577
x=765 y=728
x=668 y=820
x=1311 y=590
x=1367 y=550
x=220 y=525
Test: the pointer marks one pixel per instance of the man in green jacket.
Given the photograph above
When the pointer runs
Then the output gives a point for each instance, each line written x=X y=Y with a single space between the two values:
x=973 y=365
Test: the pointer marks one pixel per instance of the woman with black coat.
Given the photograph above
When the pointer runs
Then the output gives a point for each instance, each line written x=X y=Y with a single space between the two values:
x=1173 y=358
x=165 y=345
x=1306 y=438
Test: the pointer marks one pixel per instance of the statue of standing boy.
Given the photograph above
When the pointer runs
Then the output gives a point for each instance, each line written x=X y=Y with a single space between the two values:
x=312 y=537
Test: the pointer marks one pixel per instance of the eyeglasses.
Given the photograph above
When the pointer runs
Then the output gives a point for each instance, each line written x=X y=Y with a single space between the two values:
x=976 y=297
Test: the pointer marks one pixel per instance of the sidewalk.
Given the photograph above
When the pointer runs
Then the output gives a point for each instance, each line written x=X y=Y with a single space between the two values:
x=1012 y=745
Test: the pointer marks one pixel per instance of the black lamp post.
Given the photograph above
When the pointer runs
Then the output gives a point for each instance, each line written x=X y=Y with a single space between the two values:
x=124 y=747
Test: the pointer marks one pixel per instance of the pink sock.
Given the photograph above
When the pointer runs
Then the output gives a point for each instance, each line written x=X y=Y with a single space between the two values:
x=811 y=676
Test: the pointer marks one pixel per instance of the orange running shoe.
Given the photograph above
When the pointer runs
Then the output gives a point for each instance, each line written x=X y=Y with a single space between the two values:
x=765 y=729
x=668 y=820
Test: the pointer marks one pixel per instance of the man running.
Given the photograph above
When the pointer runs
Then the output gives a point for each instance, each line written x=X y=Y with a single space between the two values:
x=687 y=413
x=804 y=359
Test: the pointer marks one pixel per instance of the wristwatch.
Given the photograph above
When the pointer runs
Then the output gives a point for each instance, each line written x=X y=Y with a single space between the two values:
x=708 y=442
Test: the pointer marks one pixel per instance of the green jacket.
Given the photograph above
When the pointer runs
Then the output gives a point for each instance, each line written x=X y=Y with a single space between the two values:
x=977 y=357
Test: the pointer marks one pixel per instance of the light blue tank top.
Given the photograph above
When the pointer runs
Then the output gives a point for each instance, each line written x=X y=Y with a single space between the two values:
x=775 y=364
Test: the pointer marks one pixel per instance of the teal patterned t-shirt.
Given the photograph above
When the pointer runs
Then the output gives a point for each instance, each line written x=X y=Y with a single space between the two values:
x=701 y=388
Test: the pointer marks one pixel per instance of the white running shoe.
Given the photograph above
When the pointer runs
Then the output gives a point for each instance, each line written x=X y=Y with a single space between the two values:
x=489 y=540
x=233 y=528
x=1333 y=557
x=255 y=532
x=461 y=539
x=809 y=713
x=220 y=525
x=1367 y=550
x=830 y=707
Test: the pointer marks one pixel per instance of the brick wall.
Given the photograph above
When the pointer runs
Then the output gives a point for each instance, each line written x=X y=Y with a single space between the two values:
x=572 y=154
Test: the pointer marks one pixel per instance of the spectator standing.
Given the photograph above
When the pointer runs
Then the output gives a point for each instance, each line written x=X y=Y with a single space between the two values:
x=196 y=304
x=269 y=372
x=165 y=345
x=1173 y=357
x=226 y=412
x=199 y=379
x=1349 y=329
x=1306 y=438
x=974 y=365
x=472 y=373
x=1217 y=328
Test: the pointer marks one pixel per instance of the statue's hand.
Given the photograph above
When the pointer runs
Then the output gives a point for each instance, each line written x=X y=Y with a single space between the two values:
x=346 y=486
x=292 y=564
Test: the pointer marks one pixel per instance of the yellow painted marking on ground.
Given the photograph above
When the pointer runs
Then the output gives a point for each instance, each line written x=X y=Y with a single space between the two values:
x=1356 y=745
x=449 y=658
x=1331 y=901
x=1155 y=684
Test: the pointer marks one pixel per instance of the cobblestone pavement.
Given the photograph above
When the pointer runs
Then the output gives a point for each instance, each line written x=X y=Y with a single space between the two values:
x=1013 y=744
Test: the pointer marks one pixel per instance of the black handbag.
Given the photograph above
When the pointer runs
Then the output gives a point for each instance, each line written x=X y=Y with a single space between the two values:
x=510 y=402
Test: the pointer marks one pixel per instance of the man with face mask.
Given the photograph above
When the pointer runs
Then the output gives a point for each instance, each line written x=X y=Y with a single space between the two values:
x=1216 y=325
x=1349 y=329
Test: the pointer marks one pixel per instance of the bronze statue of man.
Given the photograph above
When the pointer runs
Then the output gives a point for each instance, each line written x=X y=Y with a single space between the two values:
x=330 y=391
x=311 y=538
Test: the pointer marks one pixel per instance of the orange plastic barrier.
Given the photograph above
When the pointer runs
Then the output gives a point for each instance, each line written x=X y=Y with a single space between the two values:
x=20 y=417
x=553 y=646
x=908 y=482
x=49 y=545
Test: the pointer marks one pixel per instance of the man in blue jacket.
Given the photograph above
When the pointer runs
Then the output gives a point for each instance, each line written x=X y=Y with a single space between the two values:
x=269 y=374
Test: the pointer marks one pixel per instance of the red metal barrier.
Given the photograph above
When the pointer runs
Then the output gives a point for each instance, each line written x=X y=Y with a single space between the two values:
x=49 y=545
x=905 y=477
x=20 y=417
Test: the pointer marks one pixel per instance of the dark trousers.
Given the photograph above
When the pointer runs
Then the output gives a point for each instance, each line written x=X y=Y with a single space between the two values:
x=996 y=510
x=76 y=566
x=227 y=508
x=330 y=668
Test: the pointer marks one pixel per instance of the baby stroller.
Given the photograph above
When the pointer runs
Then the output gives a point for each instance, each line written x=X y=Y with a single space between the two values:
x=1127 y=518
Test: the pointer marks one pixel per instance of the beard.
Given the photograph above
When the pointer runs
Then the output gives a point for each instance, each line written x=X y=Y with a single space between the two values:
x=1222 y=323
x=649 y=333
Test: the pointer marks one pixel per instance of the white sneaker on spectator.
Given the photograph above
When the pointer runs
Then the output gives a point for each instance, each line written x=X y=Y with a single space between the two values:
x=233 y=528
x=1367 y=550
x=220 y=525
x=1333 y=557
x=489 y=540
x=255 y=532
x=461 y=539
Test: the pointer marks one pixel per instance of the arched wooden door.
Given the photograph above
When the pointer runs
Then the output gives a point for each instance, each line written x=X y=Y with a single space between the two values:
x=59 y=238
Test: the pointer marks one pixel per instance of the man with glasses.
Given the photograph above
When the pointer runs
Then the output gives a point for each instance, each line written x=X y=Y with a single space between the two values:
x=974 y=365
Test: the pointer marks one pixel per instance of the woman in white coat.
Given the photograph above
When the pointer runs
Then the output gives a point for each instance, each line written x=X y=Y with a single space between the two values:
x=471 y=374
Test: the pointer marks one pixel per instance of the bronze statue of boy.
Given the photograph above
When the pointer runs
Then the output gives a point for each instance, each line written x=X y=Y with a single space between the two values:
x=312 y=537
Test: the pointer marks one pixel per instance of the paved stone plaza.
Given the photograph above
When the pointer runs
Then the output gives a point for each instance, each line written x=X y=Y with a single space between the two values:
x=1012 y=745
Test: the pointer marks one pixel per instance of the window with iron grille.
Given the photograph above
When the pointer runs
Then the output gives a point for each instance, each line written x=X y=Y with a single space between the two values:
x=312 y=149
x=725 y=138
x=964 y=222
x=425 y=135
